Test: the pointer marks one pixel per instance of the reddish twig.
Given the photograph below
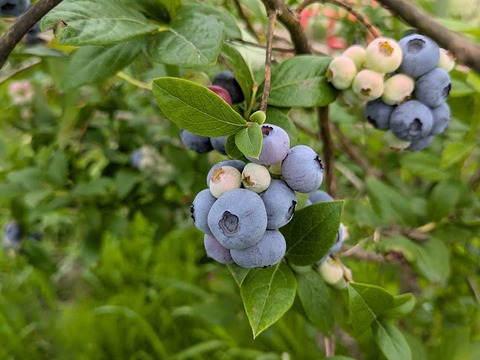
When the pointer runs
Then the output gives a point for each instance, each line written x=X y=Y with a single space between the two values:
x=272 y=18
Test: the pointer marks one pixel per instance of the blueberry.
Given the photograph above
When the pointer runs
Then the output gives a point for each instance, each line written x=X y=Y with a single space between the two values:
x=198 y=143
x=280 y=202
x=420 y=144
x=238 y=219
x=31 y=37
x=267 y=252
x=13 y=7
x=237 y=164
x=378 y=114
x=441 y=118
x=200 y=208
x=420 y=55
x=12 y=235
x=227 y=80
x=302 y=169
x=218 y=143
x=433 y=88
x=216 y=251
x=135 y=158
x=275 y=145
x=411 y=121
x=319 y=196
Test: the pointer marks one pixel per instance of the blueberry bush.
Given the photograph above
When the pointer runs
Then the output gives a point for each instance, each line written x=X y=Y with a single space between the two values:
x=244 y=179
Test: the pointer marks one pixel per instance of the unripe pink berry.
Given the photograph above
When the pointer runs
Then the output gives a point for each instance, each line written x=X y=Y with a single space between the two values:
x=446 y=61
x=368 y=85
x=220 y=91
x=224 y=179
x=383 y=55
x=256 y=177
x=341 y=72
x=397 y=89
x=357 y=54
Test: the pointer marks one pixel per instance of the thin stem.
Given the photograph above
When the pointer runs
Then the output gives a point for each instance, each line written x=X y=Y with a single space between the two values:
x=329 y=345
x=245 y=19
x=328 y=150
x=17 y=31
x=362 y=19
x=272 y=18
x=133 y=81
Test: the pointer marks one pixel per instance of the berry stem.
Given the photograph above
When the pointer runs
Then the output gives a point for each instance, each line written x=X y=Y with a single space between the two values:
x=272 y=18
x=328 y=149
x=17 y=31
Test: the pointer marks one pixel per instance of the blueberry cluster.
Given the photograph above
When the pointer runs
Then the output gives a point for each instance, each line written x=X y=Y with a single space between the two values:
x=405 y=85
x=245 y=204
x=226 y=86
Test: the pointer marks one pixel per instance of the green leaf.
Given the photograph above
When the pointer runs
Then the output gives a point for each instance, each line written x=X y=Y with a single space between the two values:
x=89 y=22
x=189 y=41
x=171 y=6
x=300 y=82
x=57 y=171
x=443 y=199
x=391 y=341
x=249 y=140
x=267 y=294
x=240 y=69
x=339 y=357
x=312 y=232
x=125 y=180
x=278 y=117
x=366 y=304
x=195 y=108
x=238 y=273
x=315 y=297
x=91 y=64
x=389 y=204
x=403 y=304
x=424 y=165
x=456 y=152
x=232 y=30
x=231 y=148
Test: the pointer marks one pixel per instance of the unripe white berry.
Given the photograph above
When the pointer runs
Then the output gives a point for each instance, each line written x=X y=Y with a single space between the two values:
x=331 y=271
x=341 y=72
x=256 y=177
x=224 y=179
x=368 y=85
x=397 y=89
x=383 y=55
x=357 y=54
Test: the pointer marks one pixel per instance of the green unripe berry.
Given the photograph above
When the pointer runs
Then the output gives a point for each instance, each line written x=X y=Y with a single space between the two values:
x=256 y=177
x=357 y=54
x=383 y=55
x=331 y=271
x=341 y=72
x=368 y=85
x=224 y=179
x=397 y=89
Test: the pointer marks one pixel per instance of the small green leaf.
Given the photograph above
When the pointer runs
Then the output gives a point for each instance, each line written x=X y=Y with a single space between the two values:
x=339 y=357
x=195 y=108
x=238 y=273
x=240 y=70
x=366 y=304
x=424 y=165
x=267 y=294
x=249 y=140
x=312 y=232
x=391 y=341
x=403 y=304
x=231 y=148
x=90 y=64
x=300 y=82
x=315 y=297
x=189 y=41
x=125 y=181
x=57 y=171
x=456 y=152
x=276 y=116
x=89 y=22
x=258 y=117
x=443 y=199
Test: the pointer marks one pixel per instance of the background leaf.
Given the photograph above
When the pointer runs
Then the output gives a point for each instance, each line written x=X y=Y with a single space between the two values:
x=391 y=341
x=195 y=108
x=312 y=232
x=249 y=140
x=267 y=294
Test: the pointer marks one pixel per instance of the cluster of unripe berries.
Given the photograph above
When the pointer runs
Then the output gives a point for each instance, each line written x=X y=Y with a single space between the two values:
x=226 y=86
x=405 y=85
x=245 y=204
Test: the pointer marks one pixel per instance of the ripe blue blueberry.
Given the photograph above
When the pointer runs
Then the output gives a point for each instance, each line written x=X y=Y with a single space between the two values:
x=13 y=8
x=198 y=143
x=441 y=118
x=238 y=219
x=420 y=55
x=302 y=169
x=280 y=202
x=135 y=158
x=378 y=114
x=411 y=121
x=275 y=145
x=420 y=144
x=216 y=251
x=12 y=235
x=433 y=88
x=200 y=208
x=319 y=196
x=227 y=80
x=237 y=164
x=267 y=252
x=218 y=143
